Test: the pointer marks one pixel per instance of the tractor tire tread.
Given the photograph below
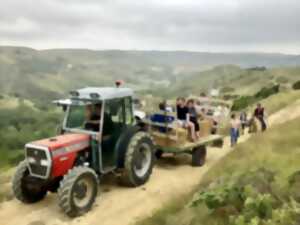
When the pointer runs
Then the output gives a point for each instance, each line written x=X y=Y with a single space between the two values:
x=17 y=186
x=65 y=188
x=127 y=176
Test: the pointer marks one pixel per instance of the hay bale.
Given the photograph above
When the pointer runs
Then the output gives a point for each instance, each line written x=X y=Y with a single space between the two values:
x=174 y=138
x=205 y=127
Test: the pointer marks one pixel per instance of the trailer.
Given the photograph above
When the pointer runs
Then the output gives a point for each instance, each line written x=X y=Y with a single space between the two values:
x=169 y=138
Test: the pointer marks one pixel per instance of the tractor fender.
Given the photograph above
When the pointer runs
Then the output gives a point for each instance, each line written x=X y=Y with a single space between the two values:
x=123 y=142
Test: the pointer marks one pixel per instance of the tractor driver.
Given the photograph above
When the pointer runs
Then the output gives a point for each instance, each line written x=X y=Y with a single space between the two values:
x=92 y=119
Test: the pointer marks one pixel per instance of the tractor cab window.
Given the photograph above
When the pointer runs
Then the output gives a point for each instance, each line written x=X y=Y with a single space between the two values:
x=119 y=111
x=113 y=116
x=76 y=117
x=84 y=117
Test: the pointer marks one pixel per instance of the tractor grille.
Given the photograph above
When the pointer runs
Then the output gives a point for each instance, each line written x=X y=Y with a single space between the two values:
x=38 y=161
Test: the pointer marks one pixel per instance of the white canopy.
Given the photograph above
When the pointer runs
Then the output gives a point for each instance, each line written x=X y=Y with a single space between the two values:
x=104 y=93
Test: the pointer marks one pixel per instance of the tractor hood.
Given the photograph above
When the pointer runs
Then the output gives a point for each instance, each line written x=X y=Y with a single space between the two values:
x=68 y=142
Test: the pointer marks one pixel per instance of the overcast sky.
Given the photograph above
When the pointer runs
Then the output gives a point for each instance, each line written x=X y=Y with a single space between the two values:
x=195 y=25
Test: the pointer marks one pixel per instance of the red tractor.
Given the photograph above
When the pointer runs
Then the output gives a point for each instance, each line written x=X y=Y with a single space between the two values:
x=99 y=135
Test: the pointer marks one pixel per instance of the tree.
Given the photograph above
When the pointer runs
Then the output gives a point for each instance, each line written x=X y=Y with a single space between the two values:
x=296 y=86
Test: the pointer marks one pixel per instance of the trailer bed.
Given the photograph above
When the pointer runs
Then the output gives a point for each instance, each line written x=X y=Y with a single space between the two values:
x=189 y=146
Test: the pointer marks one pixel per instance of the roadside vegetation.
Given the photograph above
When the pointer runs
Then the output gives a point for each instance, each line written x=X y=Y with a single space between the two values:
x=244 y=101
x=272 y=104
x=279 y=101
x=21 y=124
x=296 y=85
x=256 y=184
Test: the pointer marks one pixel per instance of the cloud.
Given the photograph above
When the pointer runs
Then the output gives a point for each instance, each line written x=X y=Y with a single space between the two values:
x=203 y=25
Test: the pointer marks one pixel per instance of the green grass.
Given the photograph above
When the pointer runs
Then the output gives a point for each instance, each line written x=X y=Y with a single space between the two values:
x=10 y=158
x=280 y=101
x=275 y=150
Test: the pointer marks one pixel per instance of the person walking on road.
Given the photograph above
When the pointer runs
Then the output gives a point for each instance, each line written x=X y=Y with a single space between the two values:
x=244 y=121
x=259 y=113
x=234 y=130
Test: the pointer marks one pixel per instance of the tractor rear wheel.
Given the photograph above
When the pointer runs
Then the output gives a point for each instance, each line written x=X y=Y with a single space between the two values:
x=27 y=189
x=78 y=191
x=139 y=160
x=199 y=156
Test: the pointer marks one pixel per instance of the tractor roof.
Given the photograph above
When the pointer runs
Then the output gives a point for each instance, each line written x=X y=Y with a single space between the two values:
x=102 y=93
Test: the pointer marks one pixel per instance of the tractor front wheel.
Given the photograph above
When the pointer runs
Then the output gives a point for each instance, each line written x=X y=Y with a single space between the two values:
x=27 y=189
x=78 y=191
x=199 y=156
x=139 y=160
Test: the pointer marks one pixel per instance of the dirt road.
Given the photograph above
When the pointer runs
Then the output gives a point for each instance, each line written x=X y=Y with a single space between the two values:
x=123 y=206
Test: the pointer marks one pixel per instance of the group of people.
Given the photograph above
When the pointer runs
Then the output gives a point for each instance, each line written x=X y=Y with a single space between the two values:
x=237 y=124
x=187 y=116
x=188 y=112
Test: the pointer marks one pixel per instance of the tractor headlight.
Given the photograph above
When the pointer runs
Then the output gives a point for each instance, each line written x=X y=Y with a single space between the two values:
x=31 y=160
x=45 y=162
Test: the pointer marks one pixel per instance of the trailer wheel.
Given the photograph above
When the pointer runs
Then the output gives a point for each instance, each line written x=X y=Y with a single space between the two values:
x=218 y=143
x=24 y=190
x=199 y=156
x=78 y=191
x=139 y=160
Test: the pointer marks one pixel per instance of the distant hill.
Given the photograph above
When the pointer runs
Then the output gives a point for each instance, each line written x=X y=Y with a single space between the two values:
x=233 y=80
x=48 y=74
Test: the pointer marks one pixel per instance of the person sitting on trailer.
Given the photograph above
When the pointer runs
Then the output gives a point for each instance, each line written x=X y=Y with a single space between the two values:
x=163 y=106
x=193 y=116
x=163 y=117
x=183 y=118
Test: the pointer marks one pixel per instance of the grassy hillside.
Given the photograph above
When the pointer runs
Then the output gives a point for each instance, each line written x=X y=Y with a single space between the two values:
x=279 y=101
x=257 y=183
x=48 y=74
x=233 y=80
x=30 y=79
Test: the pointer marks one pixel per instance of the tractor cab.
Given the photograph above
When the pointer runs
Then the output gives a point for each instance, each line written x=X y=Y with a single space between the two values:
x=103 y=114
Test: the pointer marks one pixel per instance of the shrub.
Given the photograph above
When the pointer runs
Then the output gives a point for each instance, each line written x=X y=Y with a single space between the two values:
x=230 y=97
x=242 y=200
x=245 y=101
x=296 y=86
x=21 y=125
x=266 y=92
x=227 y=89
x=242 y=103
x=282 y=80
